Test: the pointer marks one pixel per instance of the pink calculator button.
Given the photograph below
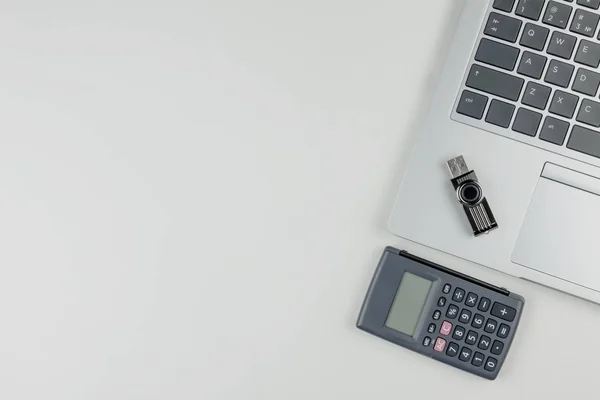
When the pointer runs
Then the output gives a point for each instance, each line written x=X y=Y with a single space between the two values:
x=440 y=345
x=446 y=328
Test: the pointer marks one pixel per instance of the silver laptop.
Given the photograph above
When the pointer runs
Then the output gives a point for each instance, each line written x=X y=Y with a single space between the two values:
x=518 y=99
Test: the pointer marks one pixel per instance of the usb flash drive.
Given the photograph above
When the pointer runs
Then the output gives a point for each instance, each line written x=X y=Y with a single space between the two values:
x=470 y=195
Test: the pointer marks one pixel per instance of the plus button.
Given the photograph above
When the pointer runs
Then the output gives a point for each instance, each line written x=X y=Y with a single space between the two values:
x=503 y=311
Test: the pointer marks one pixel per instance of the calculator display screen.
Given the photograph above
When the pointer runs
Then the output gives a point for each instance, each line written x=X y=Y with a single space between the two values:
x=408 y=304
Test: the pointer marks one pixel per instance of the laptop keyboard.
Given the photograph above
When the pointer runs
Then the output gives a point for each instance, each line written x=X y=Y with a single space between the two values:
x=535 y=74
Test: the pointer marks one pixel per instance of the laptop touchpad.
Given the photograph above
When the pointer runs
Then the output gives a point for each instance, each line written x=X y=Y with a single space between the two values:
x=561 y=233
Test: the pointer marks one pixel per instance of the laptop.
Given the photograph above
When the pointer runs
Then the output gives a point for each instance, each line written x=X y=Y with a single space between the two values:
x=518 y=98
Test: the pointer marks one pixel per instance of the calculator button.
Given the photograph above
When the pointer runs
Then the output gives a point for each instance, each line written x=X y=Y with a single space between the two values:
x=441 y=302
x=490 y=326
x=471 y=338
x=484 y=304
x=452 y=349
x=465 y=354
x=431 y=328
x=490 y=364
x=426 y=341
x=503 y=331
x=477 y=321
x=505 y=312
x=447 y=288
x=446 y=328
x=459 y=295
x=436 y=315
x=478 y=359
x=440 y=345
x=465 y=316
x=484 y=342
x=452 y=311
x=471 y=300
x=497 y=347
x=459 y=333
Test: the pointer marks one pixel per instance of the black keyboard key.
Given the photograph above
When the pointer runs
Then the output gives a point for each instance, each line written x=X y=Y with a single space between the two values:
x=490 y=325
x=503 y=331
x=503 y=311
x=477 y=321
x=561 y=45
x=527 y=122
x=559 y=73
x=588 y=53
x=484 y=342
x=471 y=300
x=465 y=317
x=557 y=14
x=452 y=311
x=495 y=82
x=589 y=113
x=553 y=131
x=586 y=82
x=532 y=65
x=497 y=54
x=459 y=295
x=491 y=364
x=465 y=354
x=589 y=3
x=472 y=104
x=534 y=36
x=504 y=5
x=531 y=9
x=500 y=113
x=431 y=328
x=585 y=141
x=585 y=23
x=497 y=347
x=459 y=333
x=563 y=104
x=484 y=304
x=503 y=27
x=477 y=359
x=452 y=350
x=471 y=338
x=447 y=288
x=536 y=95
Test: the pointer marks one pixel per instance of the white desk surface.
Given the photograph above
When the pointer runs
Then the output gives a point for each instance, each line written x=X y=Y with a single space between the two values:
x=194 y=199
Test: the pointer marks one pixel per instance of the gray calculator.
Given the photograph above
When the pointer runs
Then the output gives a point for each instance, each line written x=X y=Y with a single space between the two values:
x=441 y=313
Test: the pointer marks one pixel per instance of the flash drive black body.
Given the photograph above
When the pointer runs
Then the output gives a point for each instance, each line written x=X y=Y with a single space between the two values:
x=470 y=194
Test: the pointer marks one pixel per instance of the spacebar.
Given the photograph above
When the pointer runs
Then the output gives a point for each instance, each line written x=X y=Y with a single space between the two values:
x=585 y=141
x=495 y=82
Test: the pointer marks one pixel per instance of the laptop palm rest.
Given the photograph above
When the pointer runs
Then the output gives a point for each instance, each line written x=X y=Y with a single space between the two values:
x=561 y=232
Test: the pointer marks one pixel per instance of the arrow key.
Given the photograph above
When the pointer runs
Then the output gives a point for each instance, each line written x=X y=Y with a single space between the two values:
x=503 y=27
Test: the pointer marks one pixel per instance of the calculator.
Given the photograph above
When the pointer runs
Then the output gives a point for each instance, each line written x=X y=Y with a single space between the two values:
x=441 y=313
